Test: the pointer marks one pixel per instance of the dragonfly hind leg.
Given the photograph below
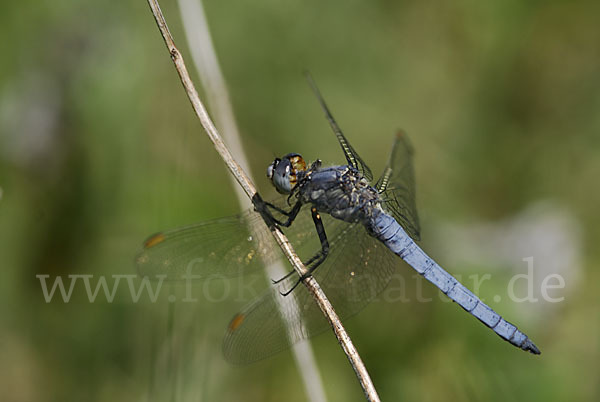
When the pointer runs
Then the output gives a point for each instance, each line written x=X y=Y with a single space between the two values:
x=316 y=259
x=318 y=256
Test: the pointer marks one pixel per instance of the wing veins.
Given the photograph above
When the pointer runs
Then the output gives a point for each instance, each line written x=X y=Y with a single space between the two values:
x=350 y=153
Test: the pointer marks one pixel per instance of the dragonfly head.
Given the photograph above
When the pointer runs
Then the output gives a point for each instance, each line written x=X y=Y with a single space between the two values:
x=284 y=172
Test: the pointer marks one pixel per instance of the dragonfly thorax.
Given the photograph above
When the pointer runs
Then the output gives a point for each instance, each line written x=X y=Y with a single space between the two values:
x=340 y=191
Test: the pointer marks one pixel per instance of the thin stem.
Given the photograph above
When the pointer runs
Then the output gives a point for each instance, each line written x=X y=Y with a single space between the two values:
x=244 y=181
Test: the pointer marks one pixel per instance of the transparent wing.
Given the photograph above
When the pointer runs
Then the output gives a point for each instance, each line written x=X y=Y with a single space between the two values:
x=357 y=269
x=352 y=156
x=397 y=186
x=227 y=247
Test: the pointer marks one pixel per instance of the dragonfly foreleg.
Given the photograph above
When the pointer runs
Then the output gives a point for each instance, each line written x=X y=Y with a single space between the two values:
x=291 y=215
x=280 y=210
x=260 y=206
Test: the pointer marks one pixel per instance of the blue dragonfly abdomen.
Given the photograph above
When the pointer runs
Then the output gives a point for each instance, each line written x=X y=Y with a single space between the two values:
x=385 y=228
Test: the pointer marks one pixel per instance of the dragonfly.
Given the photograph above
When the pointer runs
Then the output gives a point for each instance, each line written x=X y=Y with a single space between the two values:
x=364 y=232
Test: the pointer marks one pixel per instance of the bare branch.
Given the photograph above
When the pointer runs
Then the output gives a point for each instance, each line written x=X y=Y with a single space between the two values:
x=244 y=181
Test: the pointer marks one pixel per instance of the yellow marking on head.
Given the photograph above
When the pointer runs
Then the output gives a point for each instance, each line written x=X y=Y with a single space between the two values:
x=236 y=322
x=298 y=163
x=154 y=240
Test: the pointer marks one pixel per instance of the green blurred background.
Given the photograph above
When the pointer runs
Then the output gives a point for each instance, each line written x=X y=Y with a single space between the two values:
x=99 y=148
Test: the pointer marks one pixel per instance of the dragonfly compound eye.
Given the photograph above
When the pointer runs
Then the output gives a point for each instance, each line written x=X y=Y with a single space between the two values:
x=281 y=176
x=283 y=173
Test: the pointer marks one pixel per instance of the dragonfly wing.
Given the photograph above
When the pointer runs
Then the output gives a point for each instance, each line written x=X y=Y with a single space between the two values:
x=397 y=186
x=357 y=269
x=352 y=156
x=225 y=247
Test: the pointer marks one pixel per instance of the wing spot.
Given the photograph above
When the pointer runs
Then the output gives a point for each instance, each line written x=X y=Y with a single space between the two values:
x=236 y=322
x=154 y=240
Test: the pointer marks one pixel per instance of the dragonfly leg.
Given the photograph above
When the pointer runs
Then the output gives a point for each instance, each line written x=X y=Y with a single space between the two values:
x=312 y=259
x=276 y=208
x=262 y=206
x=291 y=215
x=318 y=258
x=283 y=278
